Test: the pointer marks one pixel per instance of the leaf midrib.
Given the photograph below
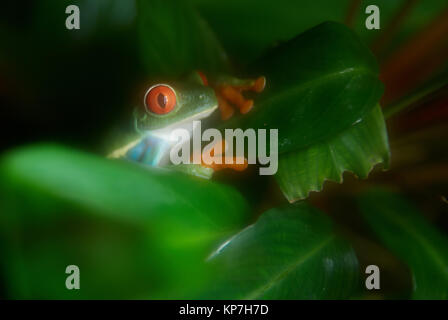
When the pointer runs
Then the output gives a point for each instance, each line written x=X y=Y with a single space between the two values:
x=295 y=89
x=284 y=273
x=430 y=249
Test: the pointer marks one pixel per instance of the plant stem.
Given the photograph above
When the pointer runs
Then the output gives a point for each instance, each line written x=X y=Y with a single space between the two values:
x=410 y=100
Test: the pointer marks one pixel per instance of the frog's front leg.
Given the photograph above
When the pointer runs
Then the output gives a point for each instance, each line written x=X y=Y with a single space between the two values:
x=230 y=93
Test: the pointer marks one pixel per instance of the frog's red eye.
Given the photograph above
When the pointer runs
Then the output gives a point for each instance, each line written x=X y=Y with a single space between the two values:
x=160 y=99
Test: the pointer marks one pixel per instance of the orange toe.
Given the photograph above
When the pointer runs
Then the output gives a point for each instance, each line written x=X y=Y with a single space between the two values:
x=226 y=110
x=259 y=84
x=247 y=106
x=233 y=166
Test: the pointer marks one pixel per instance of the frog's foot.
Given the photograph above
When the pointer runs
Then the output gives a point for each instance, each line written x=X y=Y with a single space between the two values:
x=224 y=107
x=231 y=94
x=221 y=161
x=235 y=163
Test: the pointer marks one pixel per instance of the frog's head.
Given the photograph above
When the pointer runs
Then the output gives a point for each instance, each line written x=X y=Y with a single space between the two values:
x=169 y=106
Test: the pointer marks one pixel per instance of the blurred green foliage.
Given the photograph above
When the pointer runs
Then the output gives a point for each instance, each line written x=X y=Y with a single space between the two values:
x=402 y=228
x=174 y=40
x=248 y=28
x=124 y=226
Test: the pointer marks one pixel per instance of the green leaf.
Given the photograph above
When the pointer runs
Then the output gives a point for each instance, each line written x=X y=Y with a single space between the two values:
x=357 y=150
x=134 y=232
x=403 y=229
x=289 y=253
x=174 y=39
x=318 y=84
x=322 y=89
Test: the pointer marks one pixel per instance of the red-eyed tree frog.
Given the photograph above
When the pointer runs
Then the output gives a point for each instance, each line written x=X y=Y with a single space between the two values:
x=169 y=106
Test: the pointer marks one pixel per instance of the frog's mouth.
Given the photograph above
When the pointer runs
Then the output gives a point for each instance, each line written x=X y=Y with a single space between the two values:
x=185 y=124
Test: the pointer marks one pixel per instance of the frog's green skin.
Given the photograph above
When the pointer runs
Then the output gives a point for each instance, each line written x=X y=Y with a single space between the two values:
x=194 y=101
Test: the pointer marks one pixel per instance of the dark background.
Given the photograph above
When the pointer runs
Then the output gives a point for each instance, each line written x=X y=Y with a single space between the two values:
x=62 y=85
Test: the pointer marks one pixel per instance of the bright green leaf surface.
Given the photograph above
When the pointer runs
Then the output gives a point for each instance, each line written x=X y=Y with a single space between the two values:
x=318 y=84
x=174 y=39
x=403 y=229
x=133 y=232
x=357 y=150
x=289 y=253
